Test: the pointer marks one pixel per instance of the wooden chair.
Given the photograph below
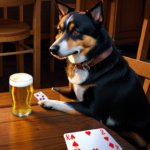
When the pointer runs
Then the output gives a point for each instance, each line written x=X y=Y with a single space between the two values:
x=16 y=31
x=53 y=26
x=141 y=68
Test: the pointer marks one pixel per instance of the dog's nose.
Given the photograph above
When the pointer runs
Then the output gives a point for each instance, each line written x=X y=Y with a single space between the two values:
x=54 y=49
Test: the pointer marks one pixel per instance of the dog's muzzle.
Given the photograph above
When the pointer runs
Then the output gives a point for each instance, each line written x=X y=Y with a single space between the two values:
x=54 y=49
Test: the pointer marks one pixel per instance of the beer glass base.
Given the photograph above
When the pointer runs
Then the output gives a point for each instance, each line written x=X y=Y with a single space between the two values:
x=22 y=115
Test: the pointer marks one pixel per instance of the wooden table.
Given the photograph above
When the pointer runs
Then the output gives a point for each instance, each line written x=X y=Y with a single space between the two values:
x=43 y=129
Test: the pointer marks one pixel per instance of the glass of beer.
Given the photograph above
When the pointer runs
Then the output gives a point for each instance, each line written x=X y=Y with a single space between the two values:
x=21 y=90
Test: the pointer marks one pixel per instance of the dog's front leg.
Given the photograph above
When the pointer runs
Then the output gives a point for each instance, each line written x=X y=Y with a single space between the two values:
x=58 y=105
x=74 y=108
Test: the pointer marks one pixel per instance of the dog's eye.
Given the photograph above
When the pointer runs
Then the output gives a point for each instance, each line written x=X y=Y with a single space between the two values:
x=59 y=30
x=75 y=32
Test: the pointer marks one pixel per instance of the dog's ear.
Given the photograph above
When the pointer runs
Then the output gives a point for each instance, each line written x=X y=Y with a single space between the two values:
x=96 y=13
x=63 y=8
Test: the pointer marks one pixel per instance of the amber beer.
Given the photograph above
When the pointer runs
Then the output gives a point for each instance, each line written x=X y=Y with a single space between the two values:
x=21 y=90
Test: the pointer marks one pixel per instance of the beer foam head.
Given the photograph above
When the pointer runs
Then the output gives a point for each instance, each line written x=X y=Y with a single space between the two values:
x=20 y=80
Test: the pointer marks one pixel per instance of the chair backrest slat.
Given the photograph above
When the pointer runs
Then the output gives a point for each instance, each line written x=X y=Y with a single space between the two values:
x=140 y=67
x=78 y=5
x=5 y=12
x=143 y=69
x=11 y=3
x=21 y=13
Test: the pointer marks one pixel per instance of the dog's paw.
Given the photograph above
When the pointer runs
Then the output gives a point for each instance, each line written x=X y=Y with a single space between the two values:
x=56 y=89
x=46 y=104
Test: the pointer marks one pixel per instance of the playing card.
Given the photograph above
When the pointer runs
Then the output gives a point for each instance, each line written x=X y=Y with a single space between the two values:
x=40 y=96
x=96 y=139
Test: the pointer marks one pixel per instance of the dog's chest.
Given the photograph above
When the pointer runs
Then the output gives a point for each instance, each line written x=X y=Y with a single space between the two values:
x=79 y=91
x=79 y=76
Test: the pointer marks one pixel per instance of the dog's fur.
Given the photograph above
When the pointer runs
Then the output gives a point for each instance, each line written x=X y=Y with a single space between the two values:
x=110 y=91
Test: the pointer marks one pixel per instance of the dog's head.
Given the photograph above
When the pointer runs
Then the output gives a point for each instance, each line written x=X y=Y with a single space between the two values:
x=77 y=32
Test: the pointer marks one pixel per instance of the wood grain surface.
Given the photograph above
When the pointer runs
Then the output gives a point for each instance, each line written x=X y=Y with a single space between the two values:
x=43 y=129
x=13 y=30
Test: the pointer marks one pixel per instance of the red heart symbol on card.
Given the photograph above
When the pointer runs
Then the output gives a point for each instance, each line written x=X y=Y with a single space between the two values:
x=106 y=138
x=117 y=147
x=88 y=132
x=95 y=149
x=72 y=137
x=37 y=95
x=111 y=145
x=43 y=96
x=40 y=98
x=75 y=144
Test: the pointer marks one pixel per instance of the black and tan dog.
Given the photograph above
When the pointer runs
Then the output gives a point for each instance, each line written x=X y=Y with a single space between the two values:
x=105 y=87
